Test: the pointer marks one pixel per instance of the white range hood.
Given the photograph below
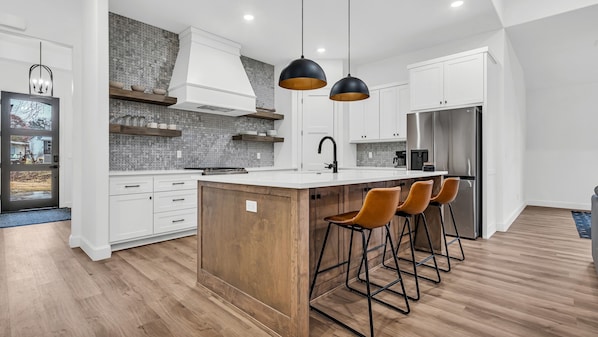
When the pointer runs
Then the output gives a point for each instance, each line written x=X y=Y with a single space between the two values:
x=209 y=77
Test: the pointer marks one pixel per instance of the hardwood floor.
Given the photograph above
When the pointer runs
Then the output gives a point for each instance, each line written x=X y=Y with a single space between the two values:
x=538 y=279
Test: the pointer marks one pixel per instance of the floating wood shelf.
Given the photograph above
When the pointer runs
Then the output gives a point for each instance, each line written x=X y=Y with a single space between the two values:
x=137 y=96
x=264 y=113
x=254 y=138
x=143 y=131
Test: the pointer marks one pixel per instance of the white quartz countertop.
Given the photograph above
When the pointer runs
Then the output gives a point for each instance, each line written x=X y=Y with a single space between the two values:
x=311 y=179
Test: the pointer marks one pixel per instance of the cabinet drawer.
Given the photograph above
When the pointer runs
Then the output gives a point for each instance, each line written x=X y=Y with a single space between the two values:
x=175 y=220
x=130 y=185
x=174 y=183
x=175 y=200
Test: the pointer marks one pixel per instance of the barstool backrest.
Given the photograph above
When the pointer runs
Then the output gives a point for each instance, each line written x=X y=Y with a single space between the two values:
x=418 y=197
x=378 y=208
x=448 y=191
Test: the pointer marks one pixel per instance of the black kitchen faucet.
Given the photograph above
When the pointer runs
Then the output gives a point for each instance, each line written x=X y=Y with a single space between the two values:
x=334 y=165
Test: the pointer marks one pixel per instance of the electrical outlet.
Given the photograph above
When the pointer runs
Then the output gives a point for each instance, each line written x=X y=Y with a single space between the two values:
x=179 y=154
x=370 y=155
x=259 y=155
x=251 y=206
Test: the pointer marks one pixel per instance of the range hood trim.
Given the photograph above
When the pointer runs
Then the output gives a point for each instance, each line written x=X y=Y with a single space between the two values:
x=209 y=73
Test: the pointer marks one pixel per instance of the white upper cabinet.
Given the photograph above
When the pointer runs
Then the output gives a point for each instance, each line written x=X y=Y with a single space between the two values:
x=364 y=118
x=380 y=118
x=394 y=104
x=452 y=81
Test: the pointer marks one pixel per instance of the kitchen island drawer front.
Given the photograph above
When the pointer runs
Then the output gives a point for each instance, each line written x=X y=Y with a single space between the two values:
x=174 y=183
x=175 y=220
x=174 y=200
x=130 y=185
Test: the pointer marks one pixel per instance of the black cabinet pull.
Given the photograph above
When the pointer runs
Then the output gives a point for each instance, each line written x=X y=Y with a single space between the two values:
x=178 y=183
x=444 y=102
x=440 y=102
x=179 y=220
x=131 y=186
x=312 y=197
x=318 y=196
x=150 y=198
x=181 y=199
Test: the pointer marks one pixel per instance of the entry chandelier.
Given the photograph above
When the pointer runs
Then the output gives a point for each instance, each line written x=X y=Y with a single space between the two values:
x=41 y=84
x=349 y=88
x=302 y=73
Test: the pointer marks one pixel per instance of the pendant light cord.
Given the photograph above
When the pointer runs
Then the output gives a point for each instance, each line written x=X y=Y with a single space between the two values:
x=349 y=38
x=40 y=60
x=301 y=28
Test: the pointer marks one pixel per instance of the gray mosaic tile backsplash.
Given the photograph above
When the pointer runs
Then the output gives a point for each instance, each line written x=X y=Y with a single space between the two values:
x=382 y=153
x=143 y=54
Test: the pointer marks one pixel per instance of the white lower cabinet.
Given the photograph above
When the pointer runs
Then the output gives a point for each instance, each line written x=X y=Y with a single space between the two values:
x=147 y=207
x=131 y=216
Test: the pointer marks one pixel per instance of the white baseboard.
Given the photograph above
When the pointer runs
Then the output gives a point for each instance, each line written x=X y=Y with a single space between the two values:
x=491 y=230
x=560 y=204
x=154 y=239
x=74 y=241
x=95 y=253
x=505 y=226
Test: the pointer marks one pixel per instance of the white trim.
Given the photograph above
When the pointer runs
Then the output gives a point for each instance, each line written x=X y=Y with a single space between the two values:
x=560 y=204
x=450 y=57
x=489 y=232
x=505 y=226
x=95 y=253
x=153 y=239
x=74 y=241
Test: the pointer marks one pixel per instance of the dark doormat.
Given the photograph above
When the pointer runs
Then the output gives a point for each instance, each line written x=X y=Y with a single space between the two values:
x=34 y=217
x=583 y=222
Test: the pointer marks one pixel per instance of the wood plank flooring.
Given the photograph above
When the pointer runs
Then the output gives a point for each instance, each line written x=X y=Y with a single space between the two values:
x=538 y=279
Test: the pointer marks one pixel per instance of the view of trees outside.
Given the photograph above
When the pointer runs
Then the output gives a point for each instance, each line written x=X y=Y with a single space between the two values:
x=30 y=150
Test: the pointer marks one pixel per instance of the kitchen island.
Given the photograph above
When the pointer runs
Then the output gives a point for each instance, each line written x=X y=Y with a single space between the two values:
x=259 y=235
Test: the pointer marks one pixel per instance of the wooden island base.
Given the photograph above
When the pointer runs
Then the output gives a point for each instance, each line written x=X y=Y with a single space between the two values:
x=257 y=246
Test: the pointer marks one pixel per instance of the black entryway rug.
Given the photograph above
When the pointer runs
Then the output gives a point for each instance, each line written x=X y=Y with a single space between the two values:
x=34 y=217
x=583 y=222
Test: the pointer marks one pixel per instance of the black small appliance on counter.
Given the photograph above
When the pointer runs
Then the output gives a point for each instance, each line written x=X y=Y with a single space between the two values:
x=400 y=160
x=418 y=158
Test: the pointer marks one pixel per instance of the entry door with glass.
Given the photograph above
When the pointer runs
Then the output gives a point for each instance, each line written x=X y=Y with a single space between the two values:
x=29 y=151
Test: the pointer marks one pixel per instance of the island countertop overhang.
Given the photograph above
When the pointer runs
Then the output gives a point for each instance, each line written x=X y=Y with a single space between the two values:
x=311 y=179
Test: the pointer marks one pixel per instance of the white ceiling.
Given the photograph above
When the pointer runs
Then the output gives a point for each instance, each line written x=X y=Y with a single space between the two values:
x=559 y=48
x=379 y=28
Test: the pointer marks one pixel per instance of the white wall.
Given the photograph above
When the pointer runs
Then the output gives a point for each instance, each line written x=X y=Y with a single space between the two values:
x=81 y=26
x=562 y=146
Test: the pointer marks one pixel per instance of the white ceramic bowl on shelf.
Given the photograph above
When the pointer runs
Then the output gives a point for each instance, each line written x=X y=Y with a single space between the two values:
x=152 y=125
x=158 y=91
x=118 y=85
x=162 y=126
x=136 y=87
x=271 y=133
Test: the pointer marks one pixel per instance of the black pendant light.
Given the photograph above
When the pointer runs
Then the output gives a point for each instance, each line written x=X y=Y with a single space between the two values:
x=302 y=73
x=349 y=88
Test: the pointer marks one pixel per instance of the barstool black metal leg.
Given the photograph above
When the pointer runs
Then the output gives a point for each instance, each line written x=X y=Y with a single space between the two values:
x=458 y=237
x=313 y=283
x=431 y=251
x=406 y=225
x=399 y=276
x=367 y=281
x=448 y=258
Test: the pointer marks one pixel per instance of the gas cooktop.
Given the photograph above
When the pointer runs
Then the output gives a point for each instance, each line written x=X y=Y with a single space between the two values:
x=219 y=170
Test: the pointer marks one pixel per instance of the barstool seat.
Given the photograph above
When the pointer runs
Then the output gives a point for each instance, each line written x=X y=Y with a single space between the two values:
x=448 y=193
x=378 y=209
x=413 y=208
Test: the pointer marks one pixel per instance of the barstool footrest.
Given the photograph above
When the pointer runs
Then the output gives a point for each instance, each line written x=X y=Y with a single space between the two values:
x=336 y=321
x=391 y=306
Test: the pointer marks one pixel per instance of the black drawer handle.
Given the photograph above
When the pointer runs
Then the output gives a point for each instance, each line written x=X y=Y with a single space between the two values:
x=179 y=220
x=131 y=186
x=181 y=199
x=178 y=183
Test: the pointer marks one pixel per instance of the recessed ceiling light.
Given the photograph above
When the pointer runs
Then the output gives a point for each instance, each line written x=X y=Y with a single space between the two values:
x=321 y=50
x=457 y=3
x=248 y=17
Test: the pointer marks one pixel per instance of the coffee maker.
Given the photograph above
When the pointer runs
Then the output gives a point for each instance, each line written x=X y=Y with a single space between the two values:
x=400 y=160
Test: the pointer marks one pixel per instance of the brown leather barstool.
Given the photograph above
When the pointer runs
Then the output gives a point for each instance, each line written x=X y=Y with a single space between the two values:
x=414 y=206
x=448 y=193
x=378 y=209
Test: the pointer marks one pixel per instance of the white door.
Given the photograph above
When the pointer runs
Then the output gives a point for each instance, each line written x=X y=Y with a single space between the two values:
x=317 y=121
x=464 y=80
x=356 y=121
x=371 y=116
x=426 y=86
x=404 y=106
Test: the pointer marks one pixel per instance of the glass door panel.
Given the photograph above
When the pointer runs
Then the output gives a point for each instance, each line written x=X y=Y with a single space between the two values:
x=29 y=151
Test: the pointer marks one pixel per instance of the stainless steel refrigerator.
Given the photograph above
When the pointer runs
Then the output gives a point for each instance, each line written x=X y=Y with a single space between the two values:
x=452 y=141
